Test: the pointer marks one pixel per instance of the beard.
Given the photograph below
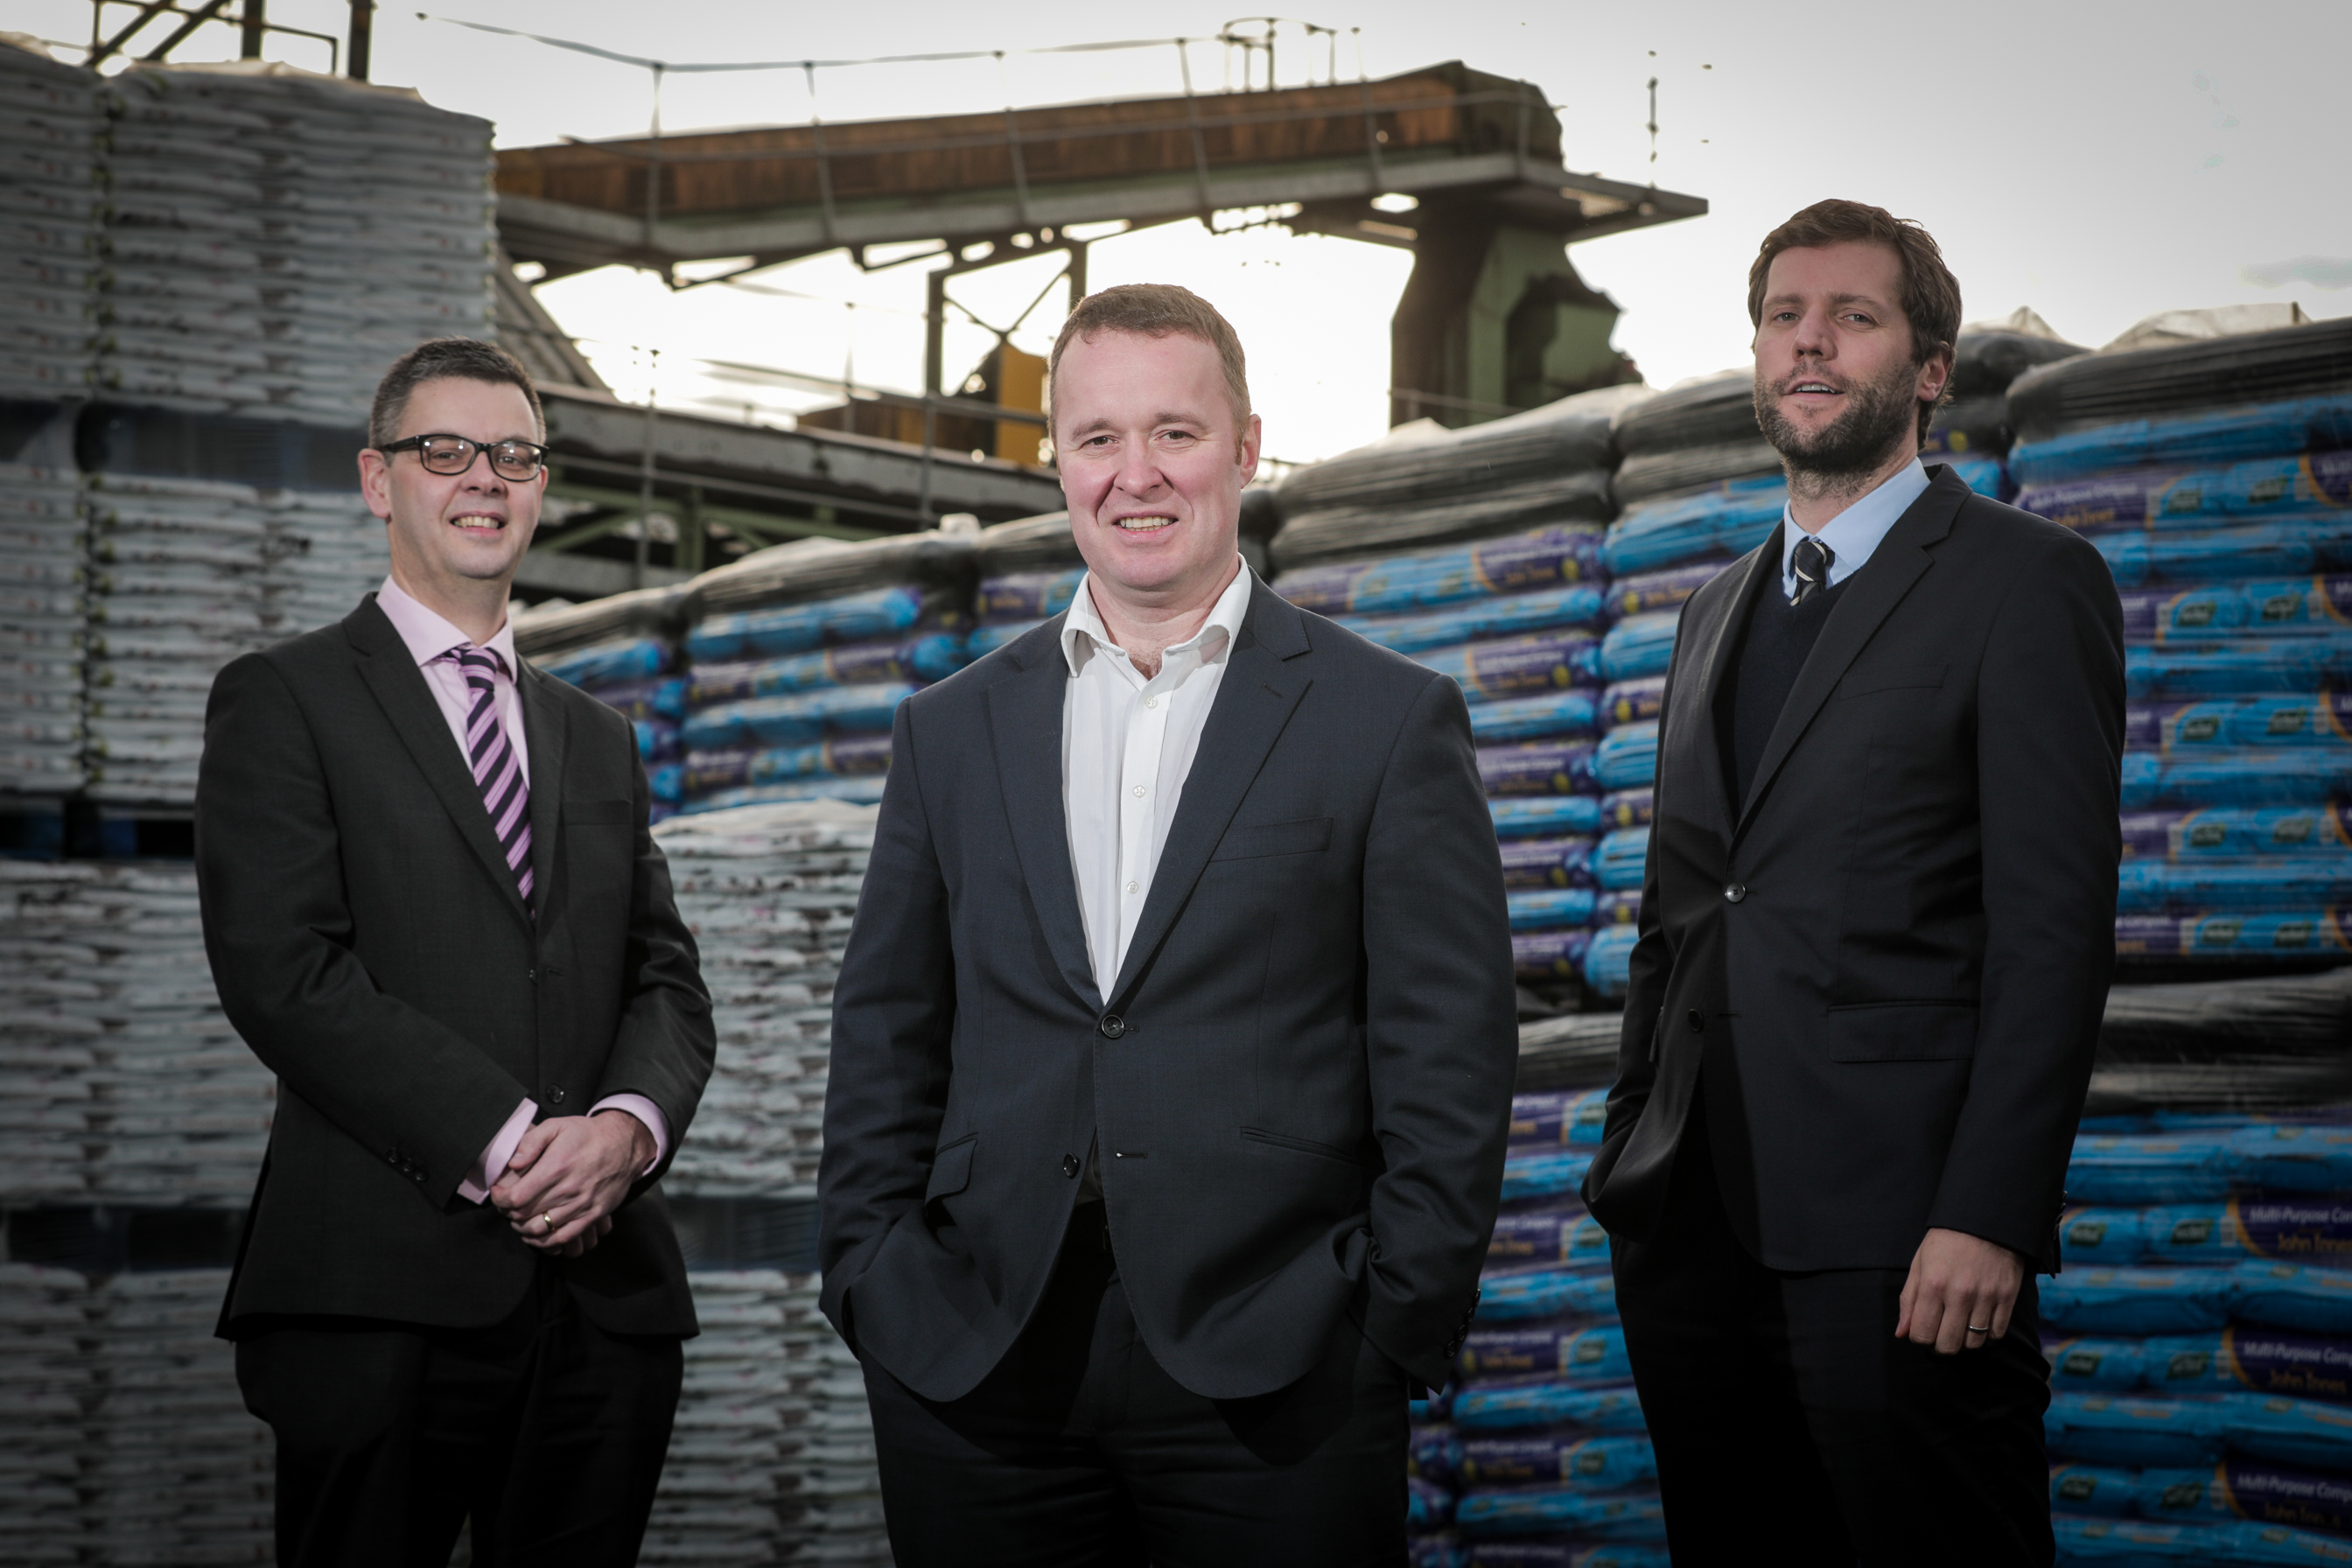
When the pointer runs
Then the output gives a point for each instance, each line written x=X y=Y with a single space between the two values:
x=1879 y=417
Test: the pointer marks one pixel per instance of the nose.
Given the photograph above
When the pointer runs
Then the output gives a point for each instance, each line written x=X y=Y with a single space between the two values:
x=1138 y=470
x=1813 y=336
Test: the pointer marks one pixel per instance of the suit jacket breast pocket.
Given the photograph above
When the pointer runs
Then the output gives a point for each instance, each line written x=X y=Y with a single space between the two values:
x=1307 y=837
x=1913 y=679
x=1903 y=1032
x=600 y=813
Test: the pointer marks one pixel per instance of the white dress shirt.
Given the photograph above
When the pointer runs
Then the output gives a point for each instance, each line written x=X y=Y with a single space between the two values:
x=1128 y=745
x=1855 y=533
x=429 y=637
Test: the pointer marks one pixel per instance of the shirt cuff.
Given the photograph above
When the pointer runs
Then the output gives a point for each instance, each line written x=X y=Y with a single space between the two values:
x=647 y=1112
x=478 y=1182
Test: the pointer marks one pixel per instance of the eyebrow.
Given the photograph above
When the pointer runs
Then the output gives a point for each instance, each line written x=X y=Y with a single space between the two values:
x=1847 y=298
x=1103 y=422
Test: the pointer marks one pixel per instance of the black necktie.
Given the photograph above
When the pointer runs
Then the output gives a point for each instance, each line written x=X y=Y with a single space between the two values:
x=1811 y=561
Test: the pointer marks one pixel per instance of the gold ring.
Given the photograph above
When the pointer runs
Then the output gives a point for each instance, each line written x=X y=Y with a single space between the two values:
x=549 y=1221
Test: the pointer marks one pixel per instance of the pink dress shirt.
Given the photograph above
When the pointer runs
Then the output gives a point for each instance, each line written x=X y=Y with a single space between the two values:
x=428 y=637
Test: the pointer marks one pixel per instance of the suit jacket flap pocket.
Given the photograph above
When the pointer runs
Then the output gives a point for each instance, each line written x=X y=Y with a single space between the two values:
x=1903 y=1032
x=1891 y=677
x=1301 y=838
x=600 y=813
x=951 y=1168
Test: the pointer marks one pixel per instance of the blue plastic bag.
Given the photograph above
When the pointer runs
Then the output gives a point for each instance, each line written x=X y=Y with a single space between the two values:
x=988 y=639
x=1585 y=1292
x=608 y=663
x=1541 y=558
x=2294 y=1296
x=928 y=658
x=1559 y=1458
x=1564 y=1554
x=2147 y=887
x=1518 y=667
x=1433 y=1453
x=2244 y=1358
x=2117 y=1429
x=657 y=696
x=1621 y=858
x=2173 y=617
x=2107 y=1491
x=2307 y=718
x=1587 y=1353
x=2226 y=833
x=1428 y=1506
x=1626 y=807
x=1029 y=597
x=796 y=628
x=1548 y=909
x=1617 y=907
x=1640 y=645
x=1570 y=1241
x=845 y=756
x=1650 y=591
x=1560 y=1119
x=1538 y=767
x=1547 y=862
x=2280 y=1226
x=1627 y=757
x=1608 y=962
x=2314 y=1158
x=2096 y=1365
x=1555 y=715
x=2297 y=933
x=2137 y=1543
x=1473 y=620
x=1544 y=1173
x=2256 y=1490
x=856 y=791
x=1633 y=702
x=2287 y=1431
x=1528 y=1510
x=2296 y=664
x=1557 y=815
x=2290 y=547
x=2138 y=1300
x=2101 y=1235
x=2194 y=498
x=1720 y=525
x=1538 y=1402
x=2218 y=436
x=2138 y=1171
x=1556 y=954
x=797 y=720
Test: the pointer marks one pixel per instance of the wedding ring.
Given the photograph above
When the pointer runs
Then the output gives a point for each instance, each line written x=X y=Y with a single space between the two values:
x=1979 y=1328
x=549 y=1221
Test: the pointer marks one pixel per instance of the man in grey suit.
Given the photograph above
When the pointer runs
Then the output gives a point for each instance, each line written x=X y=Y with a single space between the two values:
x=1172 y=1051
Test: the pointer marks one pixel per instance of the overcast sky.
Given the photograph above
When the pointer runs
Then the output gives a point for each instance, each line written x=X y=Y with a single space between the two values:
x=2096 y=162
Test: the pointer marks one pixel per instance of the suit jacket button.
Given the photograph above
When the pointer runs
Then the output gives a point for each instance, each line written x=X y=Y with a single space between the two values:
x=1735 y=893
x=1112 y=1026
x=554 y=1094
x=1698 y=1022
x=1070 y=1164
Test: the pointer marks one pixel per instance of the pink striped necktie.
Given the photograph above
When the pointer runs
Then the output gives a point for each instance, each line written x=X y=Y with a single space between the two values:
x=498 y=772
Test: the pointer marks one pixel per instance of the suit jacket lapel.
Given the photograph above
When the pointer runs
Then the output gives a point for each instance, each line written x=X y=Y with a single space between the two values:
x=1900 y=560
x=1024 y=717
x=408 y=704
x=1254 y=700
x=545 y=735
x=1718 y=647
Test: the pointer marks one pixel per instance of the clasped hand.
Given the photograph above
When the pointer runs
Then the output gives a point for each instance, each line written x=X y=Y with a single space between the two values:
x=1960 y=1292
x=568 y=1175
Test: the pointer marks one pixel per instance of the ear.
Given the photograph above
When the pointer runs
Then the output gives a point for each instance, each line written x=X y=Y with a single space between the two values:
x=375 y=482
x=1936 y=373
x=1253 y=436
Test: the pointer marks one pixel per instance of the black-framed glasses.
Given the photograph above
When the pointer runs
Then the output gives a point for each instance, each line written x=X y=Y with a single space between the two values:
x=518 y=462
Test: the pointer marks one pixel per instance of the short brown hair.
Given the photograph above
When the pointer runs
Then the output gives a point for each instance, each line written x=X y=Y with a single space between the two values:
x=439 y=359
x=1159 y=311
x=1931 y=295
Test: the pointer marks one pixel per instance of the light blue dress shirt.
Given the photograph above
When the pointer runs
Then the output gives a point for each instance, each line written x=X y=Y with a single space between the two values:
x=1855 y=533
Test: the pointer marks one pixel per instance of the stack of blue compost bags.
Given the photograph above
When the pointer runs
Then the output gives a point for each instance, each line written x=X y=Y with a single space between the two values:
x=1028 y=570
x=2216 y=477
x=624 y=651
x=1537 y=1454
x=1670 y=541
x=801 y=656
x=1512 y=609
x=2200 y=1340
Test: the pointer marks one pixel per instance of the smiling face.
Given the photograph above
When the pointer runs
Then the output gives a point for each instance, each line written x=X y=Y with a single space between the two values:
x=1153 y=458
x=1837 y=390
x=455 y=537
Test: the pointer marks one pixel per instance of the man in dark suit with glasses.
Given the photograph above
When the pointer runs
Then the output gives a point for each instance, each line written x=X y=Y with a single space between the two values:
x=433 y=909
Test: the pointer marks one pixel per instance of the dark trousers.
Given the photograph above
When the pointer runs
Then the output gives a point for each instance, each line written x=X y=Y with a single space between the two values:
x=1787 y=1414
x=546 y=1431
x=1080 y=1450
